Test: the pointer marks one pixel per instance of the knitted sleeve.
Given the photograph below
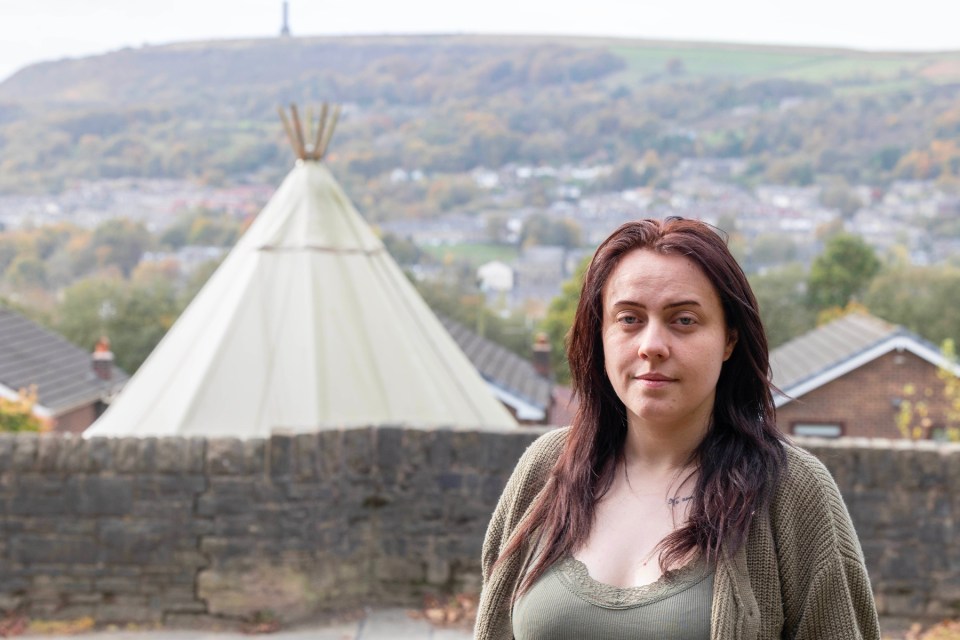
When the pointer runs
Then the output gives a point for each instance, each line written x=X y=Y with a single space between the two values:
x=825 y=588
x=501 y=579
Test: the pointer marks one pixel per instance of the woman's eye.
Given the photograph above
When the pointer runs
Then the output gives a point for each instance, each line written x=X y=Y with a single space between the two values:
x=686 y=321
x=628 y=319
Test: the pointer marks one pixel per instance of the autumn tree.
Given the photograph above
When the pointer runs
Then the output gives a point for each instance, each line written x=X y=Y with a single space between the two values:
x=920 y=408
x=120 y=242
x=16 y=414
x=556 y=324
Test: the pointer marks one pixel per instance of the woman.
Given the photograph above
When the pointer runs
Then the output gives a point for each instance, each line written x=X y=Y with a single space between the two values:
x=672 y=507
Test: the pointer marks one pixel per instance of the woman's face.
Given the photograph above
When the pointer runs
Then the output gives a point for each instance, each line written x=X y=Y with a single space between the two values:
x=665 y=339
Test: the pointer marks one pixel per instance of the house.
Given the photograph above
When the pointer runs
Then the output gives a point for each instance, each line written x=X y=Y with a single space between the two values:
x=495 y=277
x=72 y=385
x=523 y=386
x=850 y=377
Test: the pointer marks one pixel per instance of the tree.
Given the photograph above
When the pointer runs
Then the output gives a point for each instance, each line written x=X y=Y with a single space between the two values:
x=120 y=242
x=781 y=294
x=17 y=414
x=135 y=316
x=915 y=417
x=842 y=272
x=559 y=318
x=922 y=299
x=541 y=229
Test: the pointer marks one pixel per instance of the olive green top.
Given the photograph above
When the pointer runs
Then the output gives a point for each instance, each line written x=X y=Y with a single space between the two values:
x=566 y=603
x=800 y=574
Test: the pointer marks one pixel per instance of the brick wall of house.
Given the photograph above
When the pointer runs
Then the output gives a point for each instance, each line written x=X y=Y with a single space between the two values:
x=77 y=420
x=864 y=401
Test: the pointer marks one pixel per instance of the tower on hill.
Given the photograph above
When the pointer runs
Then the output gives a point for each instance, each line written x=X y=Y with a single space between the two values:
x=285 y=29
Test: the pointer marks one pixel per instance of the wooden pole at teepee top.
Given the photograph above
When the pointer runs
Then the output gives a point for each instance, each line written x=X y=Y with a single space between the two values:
x=307 y=144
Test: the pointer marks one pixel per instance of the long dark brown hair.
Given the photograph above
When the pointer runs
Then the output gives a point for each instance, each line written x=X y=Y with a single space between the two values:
x=740 y=457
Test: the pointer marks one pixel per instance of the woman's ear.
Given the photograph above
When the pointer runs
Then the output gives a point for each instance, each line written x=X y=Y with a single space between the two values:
x=731 y=343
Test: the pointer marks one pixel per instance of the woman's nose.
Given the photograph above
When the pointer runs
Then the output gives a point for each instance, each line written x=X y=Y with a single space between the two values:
x=653 y=343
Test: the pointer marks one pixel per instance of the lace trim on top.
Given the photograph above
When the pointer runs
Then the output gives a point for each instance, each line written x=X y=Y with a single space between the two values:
x=576 y=577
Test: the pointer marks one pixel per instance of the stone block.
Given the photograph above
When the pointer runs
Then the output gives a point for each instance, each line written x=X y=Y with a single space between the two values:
x=163 y=488
x=126 y=609
x=147 y=455
x=8 y=443
x=358 y=453
x=329 y=454
x=306 y=466
x=99 y=455
x=100 y=495
x=288 y=592
x=29 y=550
x=225 y=456
x=227 y=496
x=174 y=455
x=255 y=456
x=438 y=571
x=85 y=598
x=49 y=451
x=391 y=453
x=38 y=495
x=26 y=446
x=465 y=447
x=280 y=451
x=111 y=585
x=125 y=454
x=439 y=451
x=398 y=569
x=139 y=542
x=222 y=551
x=10 y=603
x=75 y=526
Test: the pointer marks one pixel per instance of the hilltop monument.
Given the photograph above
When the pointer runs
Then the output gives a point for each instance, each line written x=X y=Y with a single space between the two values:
x=285 y=28
x=308 y=324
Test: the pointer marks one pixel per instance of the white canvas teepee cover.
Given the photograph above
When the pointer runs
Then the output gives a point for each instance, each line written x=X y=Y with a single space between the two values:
x=307 y=324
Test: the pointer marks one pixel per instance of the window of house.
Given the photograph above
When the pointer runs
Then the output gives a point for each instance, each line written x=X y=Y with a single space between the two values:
x=818 y=429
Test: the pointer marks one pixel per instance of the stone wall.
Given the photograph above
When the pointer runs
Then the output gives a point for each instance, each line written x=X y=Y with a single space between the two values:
x=177 y=530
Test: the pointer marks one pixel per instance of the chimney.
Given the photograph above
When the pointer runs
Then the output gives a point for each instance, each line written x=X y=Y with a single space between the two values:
x=103 y=359
x=541 y=355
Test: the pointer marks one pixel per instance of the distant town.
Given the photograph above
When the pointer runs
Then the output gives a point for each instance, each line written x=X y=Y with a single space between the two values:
x=773 y=224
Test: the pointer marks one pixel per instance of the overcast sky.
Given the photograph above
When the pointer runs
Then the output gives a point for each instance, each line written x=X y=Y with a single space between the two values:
x=36 y=30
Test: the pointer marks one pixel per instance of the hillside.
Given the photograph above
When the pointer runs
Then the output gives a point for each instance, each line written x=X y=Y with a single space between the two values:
x=447 y=104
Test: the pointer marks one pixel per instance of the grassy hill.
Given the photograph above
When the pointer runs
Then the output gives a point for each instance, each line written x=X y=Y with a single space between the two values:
x=206 y=110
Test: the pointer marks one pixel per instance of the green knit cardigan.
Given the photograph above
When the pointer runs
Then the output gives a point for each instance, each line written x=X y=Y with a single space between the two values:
x=800 y=575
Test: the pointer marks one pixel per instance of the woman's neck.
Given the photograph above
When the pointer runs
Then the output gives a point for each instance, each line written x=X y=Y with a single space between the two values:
x=661 y=450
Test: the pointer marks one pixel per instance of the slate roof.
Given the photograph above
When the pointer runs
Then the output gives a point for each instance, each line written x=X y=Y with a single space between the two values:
x=832 y=350
x=500 y=366
x=63 y=373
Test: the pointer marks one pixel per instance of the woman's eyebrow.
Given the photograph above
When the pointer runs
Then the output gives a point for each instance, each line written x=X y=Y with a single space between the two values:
x=682 y=303
x=670 y=305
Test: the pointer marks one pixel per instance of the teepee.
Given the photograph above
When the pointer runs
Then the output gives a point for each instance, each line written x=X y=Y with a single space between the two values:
x=308 y=324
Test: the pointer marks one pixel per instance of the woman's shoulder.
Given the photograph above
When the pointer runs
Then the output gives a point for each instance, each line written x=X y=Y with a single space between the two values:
x=803 y=467
x=805 y=482
x=808 y=503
